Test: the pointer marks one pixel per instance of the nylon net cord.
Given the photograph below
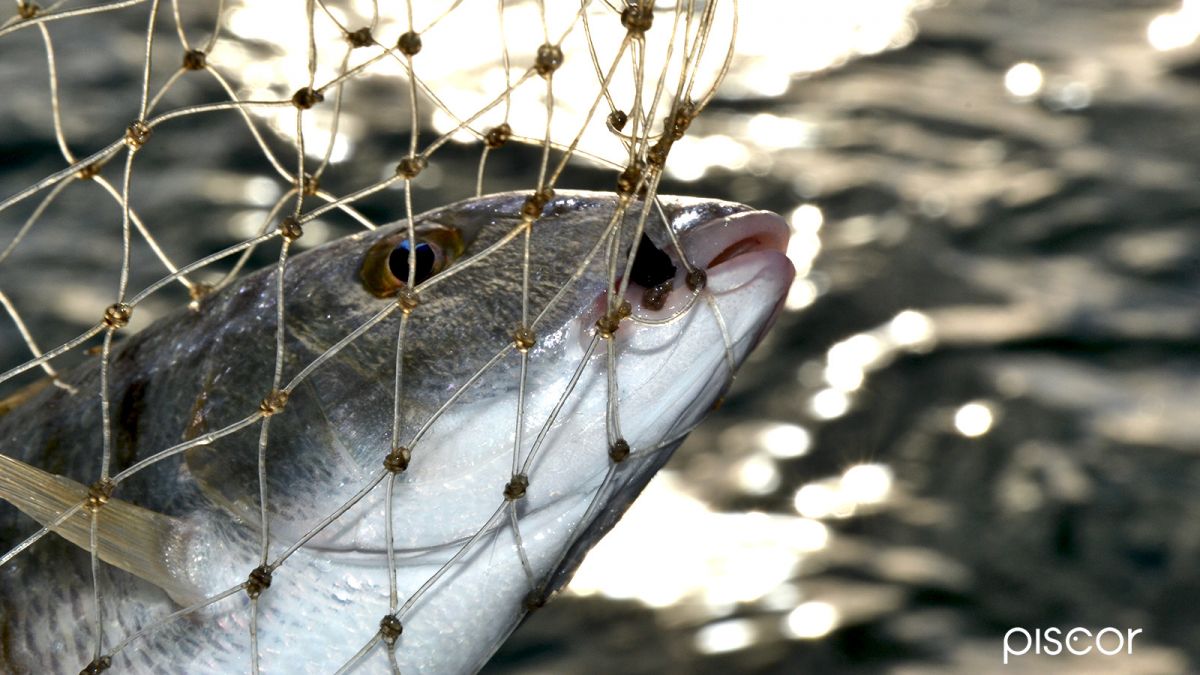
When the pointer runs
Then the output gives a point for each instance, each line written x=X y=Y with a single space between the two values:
x=661 y=106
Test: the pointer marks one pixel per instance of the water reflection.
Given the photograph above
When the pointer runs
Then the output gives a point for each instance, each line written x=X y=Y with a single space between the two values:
x=725 y=636
x=1024 y=80
x=861 y=485
x=811 y=620
x=1177 y=29
x=683 y=550
x=983 y=377
x=973 y=419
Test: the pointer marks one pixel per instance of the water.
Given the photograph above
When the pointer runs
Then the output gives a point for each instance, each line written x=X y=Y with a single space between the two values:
x=1034 y=445
x=978 y=412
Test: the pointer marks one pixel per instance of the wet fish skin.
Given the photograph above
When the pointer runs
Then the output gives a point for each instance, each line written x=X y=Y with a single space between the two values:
x=200 y=371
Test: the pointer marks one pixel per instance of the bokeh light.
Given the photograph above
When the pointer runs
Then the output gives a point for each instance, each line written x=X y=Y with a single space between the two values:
x=1175 y=30
x=811 y=620
x=1024 y=80
x=973 y=419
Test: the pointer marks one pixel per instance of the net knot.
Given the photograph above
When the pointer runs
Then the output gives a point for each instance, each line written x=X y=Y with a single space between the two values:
x=409 y=44
x=89 y=171
x=637 y=19
x=696 y=279
x=497 y=136
x=656 y=156
x=534 y=203
x=198 y=292
x=680 y=120
x=117 y=315
x=549 y=58
x=408 y=299
x=99 y=493
x=397 y=460
x=390 y=629
x=619 y=451
x=524 y=338
x=307 y=97
x=360 y=38
x=409 y=167
x=310 y=185
x=97 y=666
x=629 y=181
x=534 y=600
x=27 y=10
x=290 y=228
x=608 y=324
x=258 y=581
x=515 y=488
x=274 y=402
x=137 y=134
x=655 y=297
x=195 y=59
x=617 y=120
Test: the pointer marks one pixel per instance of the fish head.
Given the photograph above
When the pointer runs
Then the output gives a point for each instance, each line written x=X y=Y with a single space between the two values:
x=547 y=368
x=599 y=324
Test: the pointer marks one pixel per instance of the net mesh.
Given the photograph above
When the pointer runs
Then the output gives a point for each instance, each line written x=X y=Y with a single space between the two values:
x=351 y=115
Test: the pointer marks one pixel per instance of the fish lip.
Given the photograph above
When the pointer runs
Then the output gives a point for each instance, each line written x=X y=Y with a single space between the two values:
x=720 y=240
x=750 y=239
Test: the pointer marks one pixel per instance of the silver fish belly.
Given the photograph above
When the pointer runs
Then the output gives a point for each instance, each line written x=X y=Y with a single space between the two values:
x=523 y=440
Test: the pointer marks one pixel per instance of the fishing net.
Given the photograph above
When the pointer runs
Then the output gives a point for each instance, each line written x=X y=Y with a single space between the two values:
x=155 y=153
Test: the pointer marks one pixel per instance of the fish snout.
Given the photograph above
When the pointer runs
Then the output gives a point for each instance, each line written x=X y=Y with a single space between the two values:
x=747 y=272
x=742 y=255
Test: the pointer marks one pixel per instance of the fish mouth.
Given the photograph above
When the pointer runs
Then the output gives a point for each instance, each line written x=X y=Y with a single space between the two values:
x=733 y=251
x=747 y=248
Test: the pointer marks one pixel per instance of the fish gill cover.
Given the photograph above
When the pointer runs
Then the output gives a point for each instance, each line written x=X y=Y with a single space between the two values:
x=124 y=436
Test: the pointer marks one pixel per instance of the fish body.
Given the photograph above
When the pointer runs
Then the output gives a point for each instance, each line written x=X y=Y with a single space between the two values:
x=203 y=371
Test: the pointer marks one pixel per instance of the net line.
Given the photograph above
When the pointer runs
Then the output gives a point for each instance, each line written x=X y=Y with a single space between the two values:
x=659 y=101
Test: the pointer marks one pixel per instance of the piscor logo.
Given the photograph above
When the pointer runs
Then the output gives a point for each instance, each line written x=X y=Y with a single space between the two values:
x=1075 y=641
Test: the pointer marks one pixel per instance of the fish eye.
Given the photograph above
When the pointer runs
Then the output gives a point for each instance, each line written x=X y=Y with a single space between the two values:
x=428 y=261
x=385 y=268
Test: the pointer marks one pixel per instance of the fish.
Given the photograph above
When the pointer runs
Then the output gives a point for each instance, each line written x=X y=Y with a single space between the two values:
x=553 y=353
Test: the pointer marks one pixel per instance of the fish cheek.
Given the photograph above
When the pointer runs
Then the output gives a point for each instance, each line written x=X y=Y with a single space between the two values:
x=129 y=411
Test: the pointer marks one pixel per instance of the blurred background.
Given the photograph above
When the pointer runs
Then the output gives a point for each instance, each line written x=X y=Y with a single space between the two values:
x=981 y=409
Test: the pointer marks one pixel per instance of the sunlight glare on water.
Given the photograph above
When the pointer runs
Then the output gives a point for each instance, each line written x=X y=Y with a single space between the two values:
x=774 y=47
x=725 y=636
x=466 y=80
x=841 y=497
x=796 y=38
x=913 y=330
x=1175 y=30
x=785 y=440
x=1024 y=80
x=684 y=550
x=867 y=483
x=811 y=620
x=973 y=419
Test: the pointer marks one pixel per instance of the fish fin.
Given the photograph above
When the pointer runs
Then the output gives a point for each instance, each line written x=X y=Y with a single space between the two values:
x=18 y=398
x=130 y=537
